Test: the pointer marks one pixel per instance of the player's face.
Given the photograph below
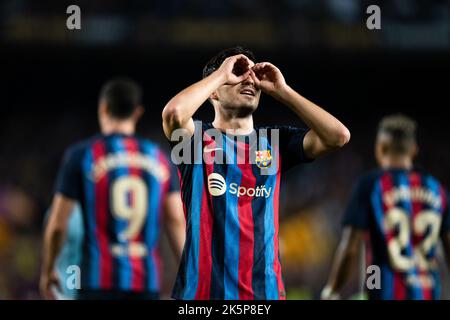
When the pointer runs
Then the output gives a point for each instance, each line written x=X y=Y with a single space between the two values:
x=242 y=97
x=380 y=153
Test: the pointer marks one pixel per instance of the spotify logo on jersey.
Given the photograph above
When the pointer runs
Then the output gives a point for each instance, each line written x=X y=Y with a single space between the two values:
x=216 y=184
x=217 y=187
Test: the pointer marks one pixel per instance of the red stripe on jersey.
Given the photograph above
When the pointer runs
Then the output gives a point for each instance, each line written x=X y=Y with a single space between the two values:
x=205 y=255
x=399 y=286
x=246 y=225
x=137 y=263
x=277 y=263
x=415 y=181
x=206 y=226
x=443 y=198
x=101 y=217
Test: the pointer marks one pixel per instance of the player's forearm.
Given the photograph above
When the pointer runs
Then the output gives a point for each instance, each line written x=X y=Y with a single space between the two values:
x=182 y=107
x=341 y=271
x=345 y=259
x=330 y=130
x=176 y=235
x=446 y=247
x=53 y=242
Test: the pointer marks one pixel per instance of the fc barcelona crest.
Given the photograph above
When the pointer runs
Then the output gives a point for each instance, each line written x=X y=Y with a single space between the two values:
x=263 y=159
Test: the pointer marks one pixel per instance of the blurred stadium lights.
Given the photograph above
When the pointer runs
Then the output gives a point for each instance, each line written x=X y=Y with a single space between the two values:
x=305 y=23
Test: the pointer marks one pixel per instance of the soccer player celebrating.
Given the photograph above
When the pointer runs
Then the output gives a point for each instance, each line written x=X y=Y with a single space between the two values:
x=231 y=249
x=401 y=212
x=125 y=187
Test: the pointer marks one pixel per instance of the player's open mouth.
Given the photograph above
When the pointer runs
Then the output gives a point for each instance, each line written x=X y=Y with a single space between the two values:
x=248 y=91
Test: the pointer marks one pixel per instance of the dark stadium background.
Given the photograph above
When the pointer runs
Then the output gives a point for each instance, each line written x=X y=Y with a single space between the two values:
x=50 y=78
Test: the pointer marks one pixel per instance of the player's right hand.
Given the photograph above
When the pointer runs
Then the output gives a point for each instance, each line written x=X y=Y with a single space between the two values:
x=236 y=69
x=47 y=284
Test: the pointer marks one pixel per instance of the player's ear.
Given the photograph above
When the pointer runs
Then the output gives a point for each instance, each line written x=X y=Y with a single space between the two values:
x=379 y=152
x=384 y=148
x=102 y=108
x=137 y=114
x=214 y=96
x=415 y=150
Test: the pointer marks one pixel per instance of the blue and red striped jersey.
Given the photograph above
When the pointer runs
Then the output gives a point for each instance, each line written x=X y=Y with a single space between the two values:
x=230 y=201
x=404 y=213
x=121 y=182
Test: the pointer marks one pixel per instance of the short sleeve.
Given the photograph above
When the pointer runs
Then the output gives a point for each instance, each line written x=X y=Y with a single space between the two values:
x=291 y=148
x=185 y=147
x=358 y=209
x=445 y=227
x=69 y=177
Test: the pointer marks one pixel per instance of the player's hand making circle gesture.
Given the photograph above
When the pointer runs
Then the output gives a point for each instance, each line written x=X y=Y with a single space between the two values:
x=267 y=77
x=236 y=69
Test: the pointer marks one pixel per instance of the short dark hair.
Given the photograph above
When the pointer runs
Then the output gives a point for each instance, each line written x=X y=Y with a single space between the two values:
x=400 y=131
x=122 y=97
x=215 y=62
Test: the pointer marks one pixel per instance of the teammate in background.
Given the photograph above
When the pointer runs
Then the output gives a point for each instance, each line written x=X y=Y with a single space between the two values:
x=125 y=187
x=231 y=249
x=70 y=254
x=401 y=212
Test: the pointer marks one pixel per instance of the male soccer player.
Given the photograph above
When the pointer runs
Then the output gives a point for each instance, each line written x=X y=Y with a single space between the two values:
x=231 y=249
x=125 y=187
x=401 y=212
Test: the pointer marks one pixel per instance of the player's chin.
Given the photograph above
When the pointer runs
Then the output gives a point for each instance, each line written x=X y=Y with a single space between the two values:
x=243 y=109
x=248 y=101
x=247 y=109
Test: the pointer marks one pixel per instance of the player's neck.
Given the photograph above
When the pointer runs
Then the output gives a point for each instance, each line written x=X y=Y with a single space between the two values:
x=118 y=127
x=404 y=163
x=242 y=125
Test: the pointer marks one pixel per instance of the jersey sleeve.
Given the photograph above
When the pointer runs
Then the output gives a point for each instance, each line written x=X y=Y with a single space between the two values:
x=358 y=208
x=291 y=148
x=445 y=227
x=69 y=177
x=185 y=147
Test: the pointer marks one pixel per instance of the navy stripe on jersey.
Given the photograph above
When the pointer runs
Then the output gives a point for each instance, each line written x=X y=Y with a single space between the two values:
x=91 y=256
x=192 y=193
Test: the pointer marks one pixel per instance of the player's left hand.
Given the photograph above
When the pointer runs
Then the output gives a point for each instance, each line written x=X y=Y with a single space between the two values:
x=47 y=285
x=267 y=77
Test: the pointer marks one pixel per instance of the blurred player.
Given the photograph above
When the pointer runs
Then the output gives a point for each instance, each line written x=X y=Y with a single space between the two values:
x=70 y=254
x=401 y=212
x=231 y=247
x=124 y=184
